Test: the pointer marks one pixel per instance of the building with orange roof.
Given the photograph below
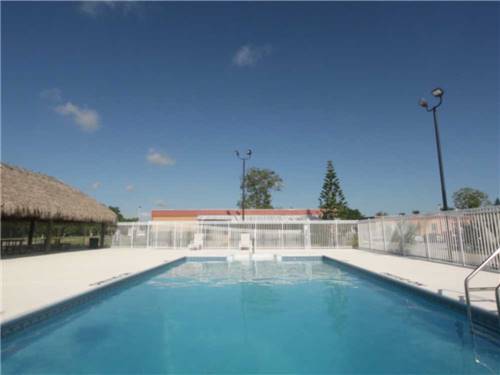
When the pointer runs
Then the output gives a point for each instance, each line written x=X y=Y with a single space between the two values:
x=235 y=215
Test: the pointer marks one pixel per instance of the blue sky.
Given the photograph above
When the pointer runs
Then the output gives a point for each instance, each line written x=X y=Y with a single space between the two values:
x=143 y=104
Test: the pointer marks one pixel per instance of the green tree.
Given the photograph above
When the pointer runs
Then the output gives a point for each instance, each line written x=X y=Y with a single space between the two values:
x=497 y=202
x=119 y=215
x=470 y=198
x=347 y=213
x=331 y=199
x=259 y=184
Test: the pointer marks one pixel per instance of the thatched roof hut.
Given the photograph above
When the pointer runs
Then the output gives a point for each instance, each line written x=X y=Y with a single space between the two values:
x=29 y=195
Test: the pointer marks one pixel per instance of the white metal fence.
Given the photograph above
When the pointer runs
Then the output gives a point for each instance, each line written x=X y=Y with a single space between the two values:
x=227 y=235
x=464 y=237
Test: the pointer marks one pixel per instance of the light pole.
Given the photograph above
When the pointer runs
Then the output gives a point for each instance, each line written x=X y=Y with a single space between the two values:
x=438 y=93
x=244 y=158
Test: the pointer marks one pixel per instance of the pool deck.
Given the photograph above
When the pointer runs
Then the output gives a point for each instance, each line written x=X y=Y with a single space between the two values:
x=32 y=283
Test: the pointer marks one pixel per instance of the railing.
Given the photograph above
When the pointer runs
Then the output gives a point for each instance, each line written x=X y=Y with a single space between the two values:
x=465 y=237
x=494 y=288
x=226 y=235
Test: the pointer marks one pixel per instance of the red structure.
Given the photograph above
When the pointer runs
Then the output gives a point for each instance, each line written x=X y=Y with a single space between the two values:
x=193 y=215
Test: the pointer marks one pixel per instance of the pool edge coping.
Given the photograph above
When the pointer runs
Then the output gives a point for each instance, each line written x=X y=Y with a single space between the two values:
x=25 y=320
x=487 y=318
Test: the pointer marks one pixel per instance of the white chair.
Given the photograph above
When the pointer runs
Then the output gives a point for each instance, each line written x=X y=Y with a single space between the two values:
x=245 y=242
x=197 y=243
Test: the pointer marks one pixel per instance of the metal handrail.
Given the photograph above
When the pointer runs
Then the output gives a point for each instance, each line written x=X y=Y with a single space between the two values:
x=474 y=273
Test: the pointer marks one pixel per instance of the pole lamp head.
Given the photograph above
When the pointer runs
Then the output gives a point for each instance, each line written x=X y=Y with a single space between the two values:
x=237 y=153
x=437 y=92
x=249 y=152
x=423 y=103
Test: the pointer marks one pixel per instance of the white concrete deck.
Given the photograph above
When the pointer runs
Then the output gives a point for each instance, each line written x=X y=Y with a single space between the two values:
x=31 y=283
x=440 y=278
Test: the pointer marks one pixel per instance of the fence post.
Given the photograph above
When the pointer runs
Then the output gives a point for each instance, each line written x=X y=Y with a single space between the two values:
x=357 y=231
x=383 y=233
x=336 y=233
x=282 y=235
x=426 y=240
x=460 y=239
x=175 y=235
x=228 y=236
x=308 y=238
x=255 y=236
x=147 y=234
x=156 y=235
x=133 y=236
x=369 y=235
x=402 y=242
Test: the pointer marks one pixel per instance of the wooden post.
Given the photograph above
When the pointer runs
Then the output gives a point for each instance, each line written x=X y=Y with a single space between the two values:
x=48 y=240
x=31 y=232
x=103 y=232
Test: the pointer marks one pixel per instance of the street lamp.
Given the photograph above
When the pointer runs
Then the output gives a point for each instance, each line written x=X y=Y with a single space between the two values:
x=438 y=93
x=243 y=158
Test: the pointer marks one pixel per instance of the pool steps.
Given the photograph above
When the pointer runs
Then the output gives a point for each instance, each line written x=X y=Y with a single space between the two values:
x=251 y=257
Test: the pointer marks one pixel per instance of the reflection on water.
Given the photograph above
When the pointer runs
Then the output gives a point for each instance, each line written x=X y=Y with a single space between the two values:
x=259 y=297
x=255 y=317
x=219 y=274
x=336 y=301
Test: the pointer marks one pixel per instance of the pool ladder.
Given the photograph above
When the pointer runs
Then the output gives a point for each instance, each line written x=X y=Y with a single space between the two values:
x=479 y=331
x=468 y=289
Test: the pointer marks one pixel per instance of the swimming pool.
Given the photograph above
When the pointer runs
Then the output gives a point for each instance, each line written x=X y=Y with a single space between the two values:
x=254 y=317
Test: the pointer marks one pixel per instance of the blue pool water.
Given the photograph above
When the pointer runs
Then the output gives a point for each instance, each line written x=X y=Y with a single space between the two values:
x=264 y=317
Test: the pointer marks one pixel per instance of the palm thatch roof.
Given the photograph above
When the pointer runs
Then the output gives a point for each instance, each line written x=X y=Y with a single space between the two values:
x=32 y=195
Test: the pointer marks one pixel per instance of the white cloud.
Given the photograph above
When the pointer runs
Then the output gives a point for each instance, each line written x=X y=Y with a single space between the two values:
x=87 y=119
x=130 y=188
x=96 y=185
x=92 y=8
x=157 y=158
x=54 y=95
x=95 y=8
x=249 y=55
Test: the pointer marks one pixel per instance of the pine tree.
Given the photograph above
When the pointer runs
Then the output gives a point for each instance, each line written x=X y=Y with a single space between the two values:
x=497 y=202
x=332 y=200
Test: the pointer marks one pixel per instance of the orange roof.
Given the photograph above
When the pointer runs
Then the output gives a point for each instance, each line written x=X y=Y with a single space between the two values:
x=268 y=212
